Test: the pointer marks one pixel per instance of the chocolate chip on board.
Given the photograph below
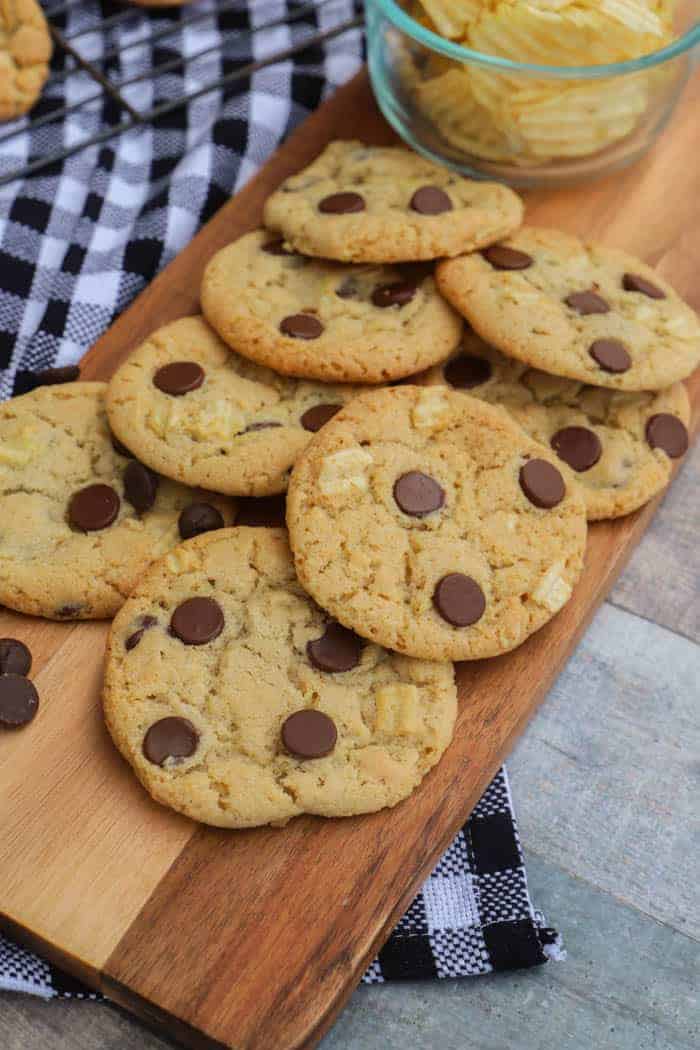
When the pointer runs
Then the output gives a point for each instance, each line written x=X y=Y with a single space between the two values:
x=15 y=657
x=19 y=701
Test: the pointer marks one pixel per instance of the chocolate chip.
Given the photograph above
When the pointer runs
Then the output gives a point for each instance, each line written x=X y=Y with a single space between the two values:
x=15 y=657
x=459 y=599
x=140 y=486
x=172 y=737
x=276 y=247
x=133 y=640
x=199 y=518
x=19 y=701
x=587 y=303
x=93 y=508
x=338 y=649
x=633 y=282
x=69 y=611
x=397 y=294
x=542 y=483
x=314 y=418
x=502 y=257
x=577 y=446
x=430 y=200
x=149 y=621
x=611 y=355
x=666 y=432
x=120 y=449
x=197 y=621
x=263 y=512
x=418 y=494
x=252 y=427
x=309 y=734
x=466 y=371
x=179 y=378
x=342 y=204
x=348 y=289
x=301 y=326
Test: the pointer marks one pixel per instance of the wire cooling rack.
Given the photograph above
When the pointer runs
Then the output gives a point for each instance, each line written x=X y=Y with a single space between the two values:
x=71 y=60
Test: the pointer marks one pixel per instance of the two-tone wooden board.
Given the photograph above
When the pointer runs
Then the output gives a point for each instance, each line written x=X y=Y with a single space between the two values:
x=254 y=940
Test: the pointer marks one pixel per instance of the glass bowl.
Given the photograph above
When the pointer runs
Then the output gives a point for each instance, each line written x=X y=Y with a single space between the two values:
x=530 y=125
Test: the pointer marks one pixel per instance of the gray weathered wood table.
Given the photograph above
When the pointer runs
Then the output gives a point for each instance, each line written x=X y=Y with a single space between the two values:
x=605 y=784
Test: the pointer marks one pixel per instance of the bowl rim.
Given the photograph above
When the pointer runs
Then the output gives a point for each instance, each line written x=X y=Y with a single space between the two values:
x=400 y=18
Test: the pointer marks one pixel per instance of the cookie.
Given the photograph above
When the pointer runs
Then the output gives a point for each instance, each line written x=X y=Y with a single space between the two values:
x=575 y=309
x=325 y=320
x=432 y=524
x=196 y=412
x=360 y=203
x=238 y=703
x=80 y=519
x=25 y=53
x=620 y=447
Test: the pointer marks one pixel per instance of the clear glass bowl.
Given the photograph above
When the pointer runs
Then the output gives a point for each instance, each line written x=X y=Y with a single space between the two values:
x=530 y=125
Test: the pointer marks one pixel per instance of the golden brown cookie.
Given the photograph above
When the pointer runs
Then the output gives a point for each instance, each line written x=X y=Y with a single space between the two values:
x=324 y=320
x=575 y=309
x=193 y=410
x=25 y=53
x=359 y=203
x=238 y=703
x=432 y=524
x=80 y=519
x=619 y=447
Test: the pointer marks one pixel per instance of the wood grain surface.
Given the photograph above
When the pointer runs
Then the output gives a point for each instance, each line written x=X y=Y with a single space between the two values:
x=254 y=940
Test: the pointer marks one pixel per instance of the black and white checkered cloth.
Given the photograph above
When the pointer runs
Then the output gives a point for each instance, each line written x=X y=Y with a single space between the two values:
x=79 y=241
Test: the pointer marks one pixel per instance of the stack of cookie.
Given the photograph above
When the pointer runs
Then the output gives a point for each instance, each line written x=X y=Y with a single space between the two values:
x=439 y=480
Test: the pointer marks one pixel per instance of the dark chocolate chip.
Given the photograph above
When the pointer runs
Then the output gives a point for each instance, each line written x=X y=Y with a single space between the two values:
x=577 y=446
x=611 y=355
x=15 y=657
x=666 y=432
x=276 y=247
x=633 y=282
x=179 y=378
x=348 y=289
x=199 y=518
x=172 y=737
x=397 y=294
x=342 y=204
x=466 y=371
x=502 y=257
x=120 y=449
x=133 y=640
x=418 y=494
x=542 y=483
x=430 y=200
x=459 y=599
x=314 y=418
x=301 y=326
x=309 y=734
x=19 y=701
x=140 y=486
x=252 y=427
x=93 y=508
x=587 y=303
x=197 y=621
x=69 y=611
x=263 y=512
x=338 y=649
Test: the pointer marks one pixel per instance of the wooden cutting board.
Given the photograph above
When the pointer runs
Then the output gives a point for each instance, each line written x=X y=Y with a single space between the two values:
x=255 y=939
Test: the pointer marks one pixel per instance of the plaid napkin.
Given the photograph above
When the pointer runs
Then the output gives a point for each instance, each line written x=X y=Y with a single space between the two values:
x=79 y=241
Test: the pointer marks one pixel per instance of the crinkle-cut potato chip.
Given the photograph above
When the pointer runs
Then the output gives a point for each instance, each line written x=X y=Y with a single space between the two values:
x=451 y=17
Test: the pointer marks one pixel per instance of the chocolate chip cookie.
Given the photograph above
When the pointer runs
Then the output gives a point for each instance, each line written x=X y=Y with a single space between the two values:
x=80 y=518
x=431 y=523
x=196 y=412
x=575 y=309
x=360 y=203
x=619 y=447
x=238 y=702
x=325 y=320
